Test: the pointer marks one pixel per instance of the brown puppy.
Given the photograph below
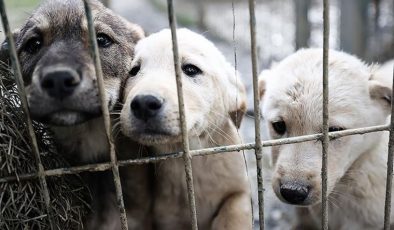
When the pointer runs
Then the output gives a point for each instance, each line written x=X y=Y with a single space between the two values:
x=60 y=81
x=150 y=116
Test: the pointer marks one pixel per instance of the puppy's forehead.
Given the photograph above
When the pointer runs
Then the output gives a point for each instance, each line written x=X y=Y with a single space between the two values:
x=67 y=18
x=57 y=15
x=294 y=87
x=191 y=45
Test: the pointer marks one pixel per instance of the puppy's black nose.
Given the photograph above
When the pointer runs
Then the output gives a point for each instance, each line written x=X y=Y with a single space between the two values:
x=60 y=84
x=293 y=192
x=146 y=106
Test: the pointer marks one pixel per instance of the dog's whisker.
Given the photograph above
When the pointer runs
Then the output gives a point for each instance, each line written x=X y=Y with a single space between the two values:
x=215 y=130
x=116 y=129
x=116 y=125
x=211 y=139
x=219 y=130
x=334 y=202
x=340 y=195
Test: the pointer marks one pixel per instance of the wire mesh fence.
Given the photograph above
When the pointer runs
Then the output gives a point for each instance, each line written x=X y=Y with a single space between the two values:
x=188 y=154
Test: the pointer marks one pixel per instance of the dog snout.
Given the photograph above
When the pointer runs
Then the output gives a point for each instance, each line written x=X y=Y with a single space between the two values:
x=294 y=192
x=145 y=107
x=60 y=83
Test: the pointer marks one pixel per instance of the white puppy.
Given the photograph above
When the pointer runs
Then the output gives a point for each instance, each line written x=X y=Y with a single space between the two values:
x=214 y=104
x=292 y=106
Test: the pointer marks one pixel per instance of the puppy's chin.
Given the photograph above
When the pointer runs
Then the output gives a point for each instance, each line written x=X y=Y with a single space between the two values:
x=154 y=137
x=157 y=139
x=306 y=203
x=66 y=118
x=156 y=132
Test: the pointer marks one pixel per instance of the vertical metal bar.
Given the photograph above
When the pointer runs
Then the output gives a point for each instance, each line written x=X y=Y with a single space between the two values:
x=100 y=83
x=185 y=141
x=256 y=99
x=325 y=140
x=389 y=180
x=22 y=93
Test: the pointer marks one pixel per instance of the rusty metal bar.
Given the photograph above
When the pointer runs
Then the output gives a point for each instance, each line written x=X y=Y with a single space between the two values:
x=59 y=172
x=200 y=152
x=389 y=179
x=22 y=93
x=185 y=141
x=257 y=120
x=325 y=139
x=107 y=122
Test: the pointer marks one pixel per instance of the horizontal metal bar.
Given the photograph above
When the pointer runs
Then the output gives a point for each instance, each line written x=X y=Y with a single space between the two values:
x=59 y=172
x=290 y=140
x=194 y=153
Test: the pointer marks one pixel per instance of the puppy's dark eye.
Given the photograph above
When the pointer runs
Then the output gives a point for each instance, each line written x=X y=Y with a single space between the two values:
x=191 y=70
x=279 y=127
x=335 y=129
x=134 y=71
x=104 y=41
x=33 y=45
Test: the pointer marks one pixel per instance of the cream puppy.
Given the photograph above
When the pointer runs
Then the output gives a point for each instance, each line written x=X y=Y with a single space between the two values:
x=292 y=106
x=214 y=104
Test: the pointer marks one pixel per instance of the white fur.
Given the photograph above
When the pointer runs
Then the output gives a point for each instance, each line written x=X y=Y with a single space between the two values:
x=385 y=72
x=292 y=92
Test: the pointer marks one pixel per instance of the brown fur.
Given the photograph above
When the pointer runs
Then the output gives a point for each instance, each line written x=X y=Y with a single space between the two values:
x=61 y=27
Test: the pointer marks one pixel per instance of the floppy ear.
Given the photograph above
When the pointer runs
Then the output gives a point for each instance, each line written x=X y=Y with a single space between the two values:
x=380 y=86
x=6 y=61
x=136 y=31
x=4 y=49
x=236 y=96
x=4 y=52
x=381 y=93
x=262 y=82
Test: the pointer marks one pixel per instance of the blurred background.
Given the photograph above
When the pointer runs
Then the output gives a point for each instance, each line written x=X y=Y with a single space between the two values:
x=364 y=28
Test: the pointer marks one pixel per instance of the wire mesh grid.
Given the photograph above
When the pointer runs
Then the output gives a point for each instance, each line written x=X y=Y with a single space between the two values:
x=188 y=154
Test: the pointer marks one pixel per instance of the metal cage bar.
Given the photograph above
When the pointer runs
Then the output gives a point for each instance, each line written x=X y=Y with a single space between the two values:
x=22 y=93
x=389 y=179
x=107 y=122
x=325 y=139
x=187 y=157
x=199 y=152
x=256 y=101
